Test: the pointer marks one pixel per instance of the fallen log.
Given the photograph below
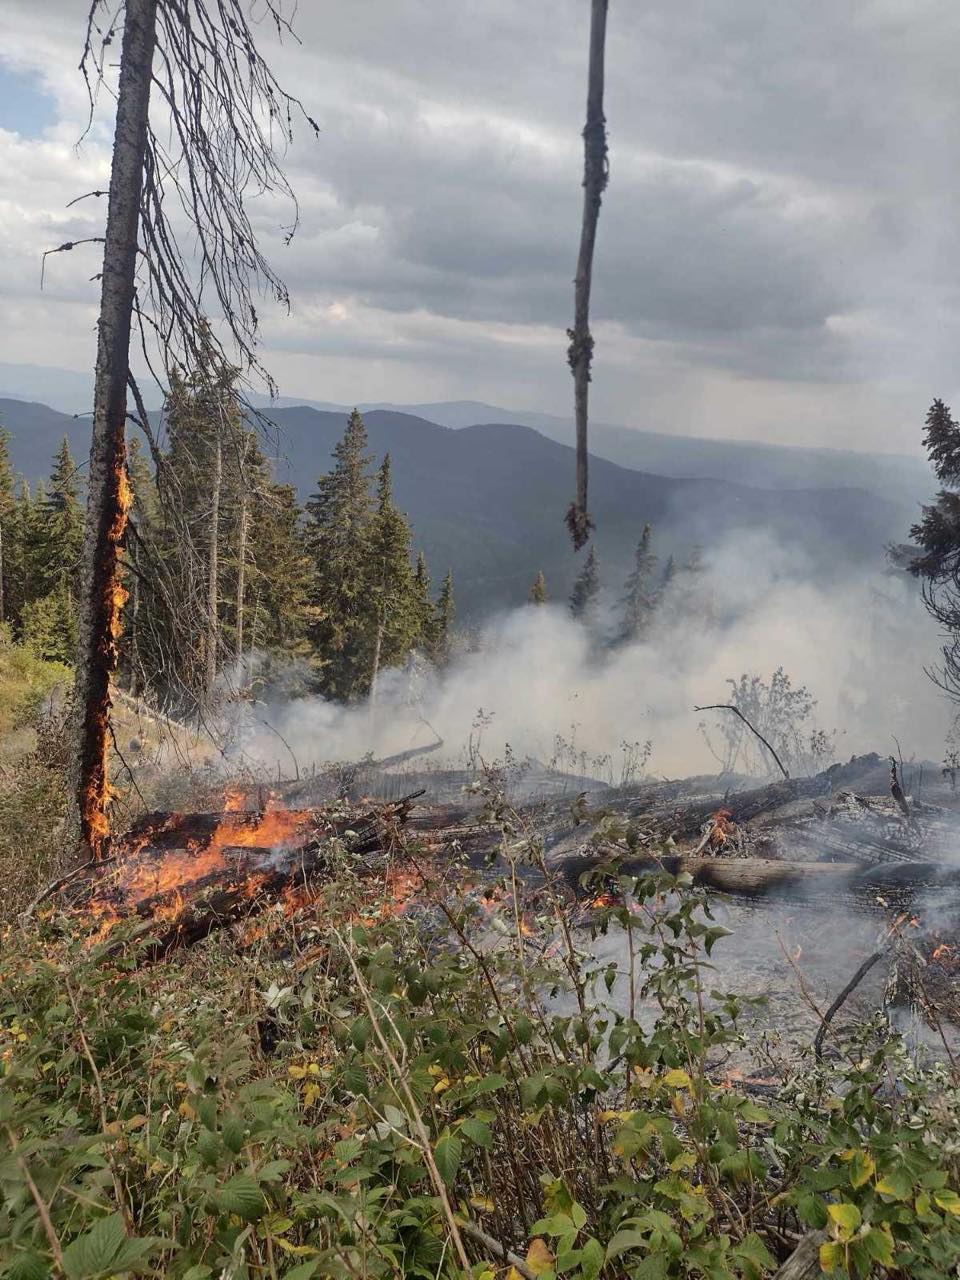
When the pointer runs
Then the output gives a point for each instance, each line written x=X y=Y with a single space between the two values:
x=755 y=877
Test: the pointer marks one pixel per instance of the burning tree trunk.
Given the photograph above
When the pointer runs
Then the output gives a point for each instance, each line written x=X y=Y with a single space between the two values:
x=580 y=353
x=109 y=494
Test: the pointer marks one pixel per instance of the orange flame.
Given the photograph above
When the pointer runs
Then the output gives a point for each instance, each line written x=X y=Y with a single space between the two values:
x=95 y=790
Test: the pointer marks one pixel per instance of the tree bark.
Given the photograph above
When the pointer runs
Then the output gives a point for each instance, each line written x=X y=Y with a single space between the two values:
x=213 y=570
x=580 y=352
x=242 y=550
x=108 y=501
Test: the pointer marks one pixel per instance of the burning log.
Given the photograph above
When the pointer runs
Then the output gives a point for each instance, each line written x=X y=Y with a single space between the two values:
x=195 y=873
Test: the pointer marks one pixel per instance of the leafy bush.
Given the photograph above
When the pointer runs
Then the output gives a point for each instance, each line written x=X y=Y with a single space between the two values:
x=443 y=1092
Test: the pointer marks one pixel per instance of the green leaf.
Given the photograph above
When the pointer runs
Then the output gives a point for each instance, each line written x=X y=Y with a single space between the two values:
x=478 y=1131
x=623 y=1242
x=862 y=1168
x=242 y=1196
x=27 y=1266
x=591 y=1259
x=754 y=1256
x=898 y=1184
x=448 y=1154
x=302 y=1272
x=879 y=1245
x=104 y=1248
x=234 y=1134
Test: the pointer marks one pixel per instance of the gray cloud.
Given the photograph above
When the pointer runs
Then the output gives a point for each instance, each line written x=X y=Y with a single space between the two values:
x=776 y=240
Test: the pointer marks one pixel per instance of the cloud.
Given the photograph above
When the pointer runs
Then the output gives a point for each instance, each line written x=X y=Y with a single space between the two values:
x=776 y=229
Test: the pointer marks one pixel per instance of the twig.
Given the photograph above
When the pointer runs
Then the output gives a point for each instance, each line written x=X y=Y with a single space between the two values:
x=851 y=986
x=38 y=1200
x=497 y=1249
x=726 y=706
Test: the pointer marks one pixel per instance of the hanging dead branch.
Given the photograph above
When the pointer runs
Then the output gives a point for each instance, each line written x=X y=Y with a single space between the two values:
x=595 y=178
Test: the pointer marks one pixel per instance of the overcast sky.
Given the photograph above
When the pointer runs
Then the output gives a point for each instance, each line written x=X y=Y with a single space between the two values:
x=778 y=246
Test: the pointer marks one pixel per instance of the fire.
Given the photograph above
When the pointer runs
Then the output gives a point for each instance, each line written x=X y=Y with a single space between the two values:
x=142 y=873
x=110 y=595
x=720 y=831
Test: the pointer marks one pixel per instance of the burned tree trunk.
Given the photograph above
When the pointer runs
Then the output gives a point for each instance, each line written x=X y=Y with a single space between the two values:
x=213 y=570
x=580 y=352
x=109 y=494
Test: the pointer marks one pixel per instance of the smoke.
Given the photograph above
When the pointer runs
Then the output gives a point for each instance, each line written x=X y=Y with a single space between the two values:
x=537 y=680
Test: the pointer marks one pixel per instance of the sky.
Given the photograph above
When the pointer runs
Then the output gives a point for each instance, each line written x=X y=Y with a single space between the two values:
x=778 y=245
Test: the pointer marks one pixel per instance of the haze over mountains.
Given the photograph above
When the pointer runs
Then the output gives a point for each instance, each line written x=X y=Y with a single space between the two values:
x=487 y=499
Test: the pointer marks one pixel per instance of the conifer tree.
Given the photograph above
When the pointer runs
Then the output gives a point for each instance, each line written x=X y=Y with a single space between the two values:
x=640 y=593
x=669 y=573
x=443 y=622
x=280 y=575
x=538 y=592
x=339 y=537
x=586 y=588
x=394 y=622
x=934 y=556
x=9 y=530
x=422 y=604
x=61 y=527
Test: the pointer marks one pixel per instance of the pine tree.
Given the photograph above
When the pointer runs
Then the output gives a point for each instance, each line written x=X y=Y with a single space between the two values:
x=339 y=536
x=538 y=592
x=640 y=593
x=669 y=573
x=443 y=622
x=586 y=588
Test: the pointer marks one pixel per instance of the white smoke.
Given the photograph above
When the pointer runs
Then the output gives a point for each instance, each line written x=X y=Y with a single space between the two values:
x=861 y=649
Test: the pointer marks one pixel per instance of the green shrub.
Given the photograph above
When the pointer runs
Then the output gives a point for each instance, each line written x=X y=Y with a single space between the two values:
x=384 y=1097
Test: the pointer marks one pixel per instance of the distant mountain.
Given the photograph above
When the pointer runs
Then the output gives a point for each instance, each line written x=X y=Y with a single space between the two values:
x=904 y=478
x=488 y=500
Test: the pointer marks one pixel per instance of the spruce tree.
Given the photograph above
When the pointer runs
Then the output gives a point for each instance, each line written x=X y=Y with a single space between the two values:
x=586 y=588
x=339 y=538
x=61 y=529
x=640 y=594
x=934 y=556
x=443 y=622
x=280 y=575
x=394 y=624
x=538 y=592
x=936 y=553
x=423 y=605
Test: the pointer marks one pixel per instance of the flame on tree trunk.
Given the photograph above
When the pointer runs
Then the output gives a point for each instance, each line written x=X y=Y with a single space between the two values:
x=109 y=491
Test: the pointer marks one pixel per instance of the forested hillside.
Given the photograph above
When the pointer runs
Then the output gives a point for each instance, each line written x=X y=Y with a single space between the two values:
x=484 y=501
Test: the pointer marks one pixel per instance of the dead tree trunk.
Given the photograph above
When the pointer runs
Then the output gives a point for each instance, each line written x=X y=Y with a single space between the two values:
x=109 y=496
x=595 y=173
x=213 y=569
x=242 y=524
